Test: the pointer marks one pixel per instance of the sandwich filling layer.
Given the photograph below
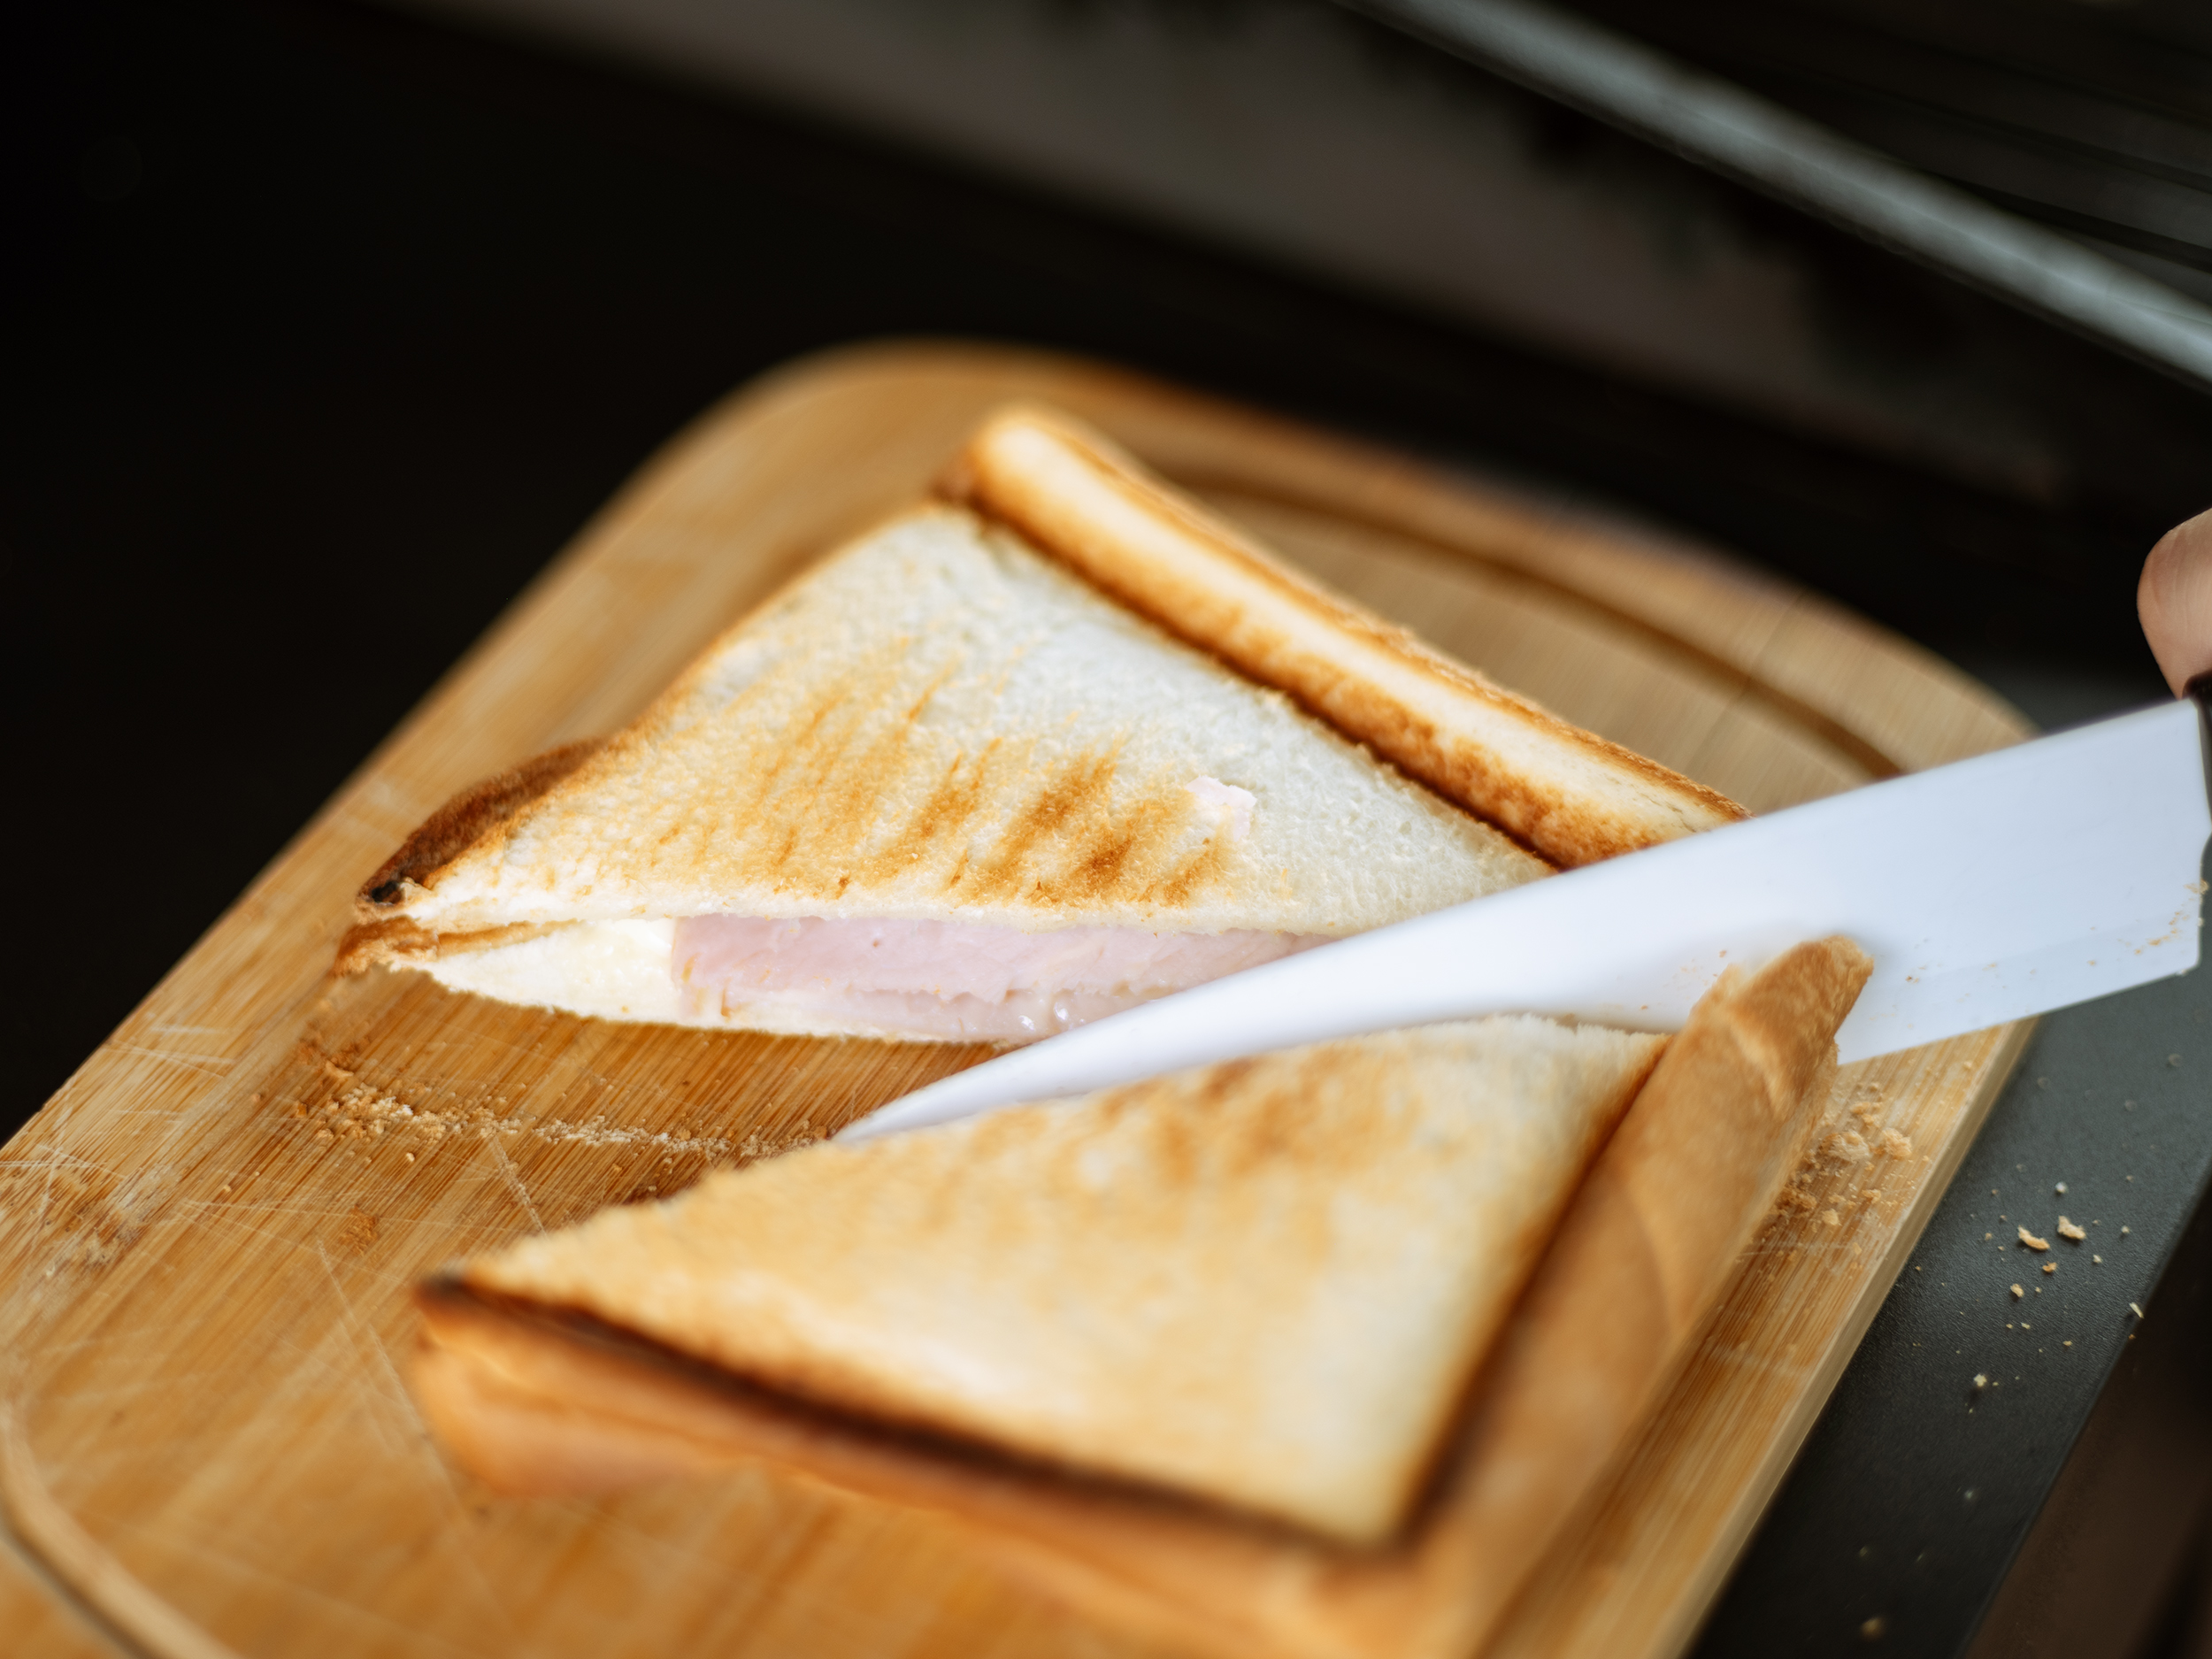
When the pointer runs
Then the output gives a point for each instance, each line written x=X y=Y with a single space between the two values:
x=952 y=981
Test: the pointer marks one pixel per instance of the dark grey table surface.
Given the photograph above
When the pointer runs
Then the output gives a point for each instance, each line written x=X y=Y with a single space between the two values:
x=332 y=326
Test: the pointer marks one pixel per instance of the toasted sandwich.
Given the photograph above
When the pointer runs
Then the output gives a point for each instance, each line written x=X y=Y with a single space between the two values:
x=1262 y=1282
x=1252 y=1355
x=1039 y=749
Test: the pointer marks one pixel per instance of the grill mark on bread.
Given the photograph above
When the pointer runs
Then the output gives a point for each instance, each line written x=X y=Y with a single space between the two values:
x=950 y=805
x=816 y=811
x=1074 y=793
x=1072 y=842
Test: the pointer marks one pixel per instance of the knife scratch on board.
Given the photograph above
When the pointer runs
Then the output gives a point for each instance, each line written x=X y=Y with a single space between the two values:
x=214 y=1065
x=514 y=1182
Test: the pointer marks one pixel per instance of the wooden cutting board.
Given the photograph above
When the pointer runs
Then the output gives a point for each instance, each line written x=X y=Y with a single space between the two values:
x=209 y=1234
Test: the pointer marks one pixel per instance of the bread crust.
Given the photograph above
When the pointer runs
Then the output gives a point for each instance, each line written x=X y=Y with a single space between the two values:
x=459 y=824
x=1570 y=796
x=538 y=1402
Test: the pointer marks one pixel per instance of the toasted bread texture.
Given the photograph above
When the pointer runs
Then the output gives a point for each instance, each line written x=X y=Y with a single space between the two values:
x=1264 y=1282
x=1572 y=796
x=940 y=722
x=540 y=1400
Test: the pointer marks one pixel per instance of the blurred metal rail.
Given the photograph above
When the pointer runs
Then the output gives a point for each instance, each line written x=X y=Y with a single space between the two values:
x=1758 y=143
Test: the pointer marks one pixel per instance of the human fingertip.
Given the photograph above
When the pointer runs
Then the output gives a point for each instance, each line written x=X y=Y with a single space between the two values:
x=2174 y=601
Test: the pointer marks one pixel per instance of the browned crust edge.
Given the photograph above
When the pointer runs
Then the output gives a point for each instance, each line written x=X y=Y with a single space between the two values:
x=450 y=1303
x=543 y=1401
x=1641 y=1258
x=382 y=932
x=457 y=826
x=1200 y=603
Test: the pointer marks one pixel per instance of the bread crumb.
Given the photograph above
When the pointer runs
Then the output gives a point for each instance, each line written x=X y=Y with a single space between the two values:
x=2066 y=1344
x=2098 y=1259
x=2137 y=1312
x=1847 y=1147
x=2060 y=1189
x=1872 y=1628
x=2123 y=1231
x=1830 y=1218
x=2068 y=1230
x=2017 y=1292
x=2032 y=1242
x=1981 y=1380
x=2050 y=1267
x=1894 y=1145
x=1867 y=1113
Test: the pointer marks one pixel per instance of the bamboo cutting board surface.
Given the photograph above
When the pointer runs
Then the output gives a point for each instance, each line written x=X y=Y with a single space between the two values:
x=209 y=1234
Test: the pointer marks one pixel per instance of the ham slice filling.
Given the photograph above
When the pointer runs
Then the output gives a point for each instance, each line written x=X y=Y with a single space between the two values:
x=951 y=979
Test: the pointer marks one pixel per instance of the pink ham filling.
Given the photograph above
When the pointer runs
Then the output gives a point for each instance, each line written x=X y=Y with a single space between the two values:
x=951 y=979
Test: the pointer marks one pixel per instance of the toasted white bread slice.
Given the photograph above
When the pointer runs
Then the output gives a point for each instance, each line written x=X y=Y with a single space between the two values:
x=937 y=725
x=536 y=1401
x=1572 y=796
x=1265 y=1283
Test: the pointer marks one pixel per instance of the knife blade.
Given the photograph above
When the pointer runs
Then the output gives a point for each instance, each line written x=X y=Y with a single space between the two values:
x=1994 y=888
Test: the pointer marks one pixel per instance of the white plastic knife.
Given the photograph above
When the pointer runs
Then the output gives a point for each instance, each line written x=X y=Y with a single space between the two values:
x=2007 y=885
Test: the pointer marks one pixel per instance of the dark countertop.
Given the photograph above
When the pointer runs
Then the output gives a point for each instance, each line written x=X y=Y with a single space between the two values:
x=1916 y=1490
x=333 y=325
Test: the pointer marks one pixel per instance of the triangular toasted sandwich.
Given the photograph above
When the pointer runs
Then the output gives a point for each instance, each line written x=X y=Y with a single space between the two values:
x=961 y=780
x=1265 y=1283
x=538 y=1398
